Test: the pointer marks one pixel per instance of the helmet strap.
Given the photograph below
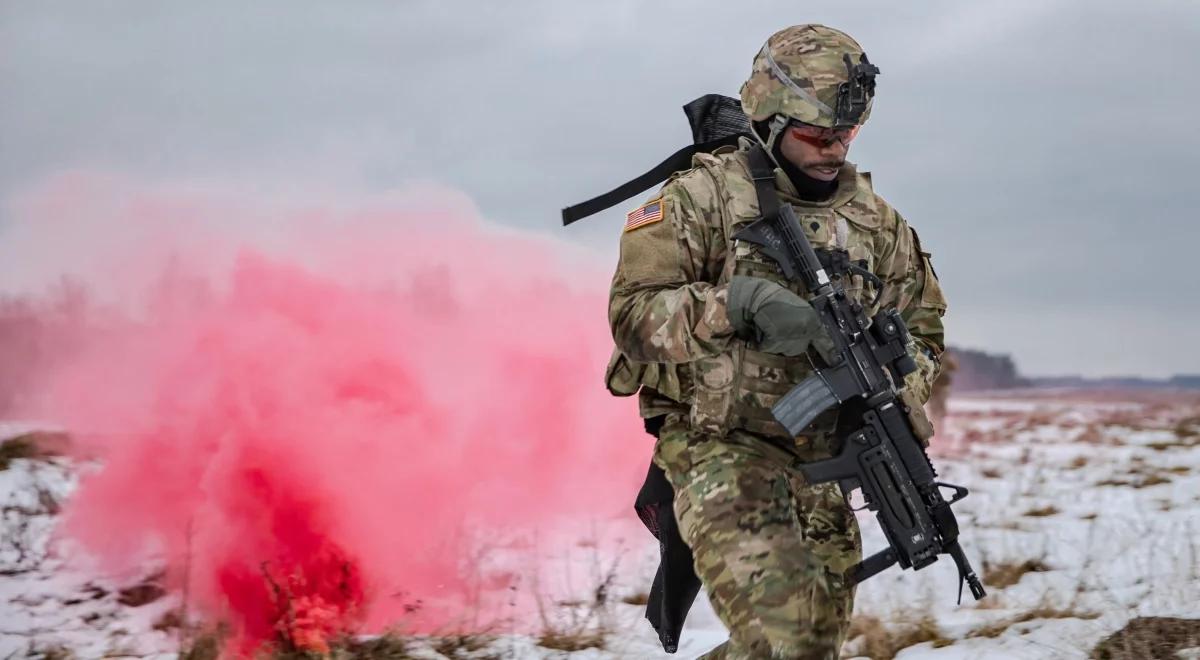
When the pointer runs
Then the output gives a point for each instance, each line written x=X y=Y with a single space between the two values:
x=775 y=128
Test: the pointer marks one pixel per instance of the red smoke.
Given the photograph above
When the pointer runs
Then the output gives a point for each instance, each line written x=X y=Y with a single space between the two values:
x=310 y=410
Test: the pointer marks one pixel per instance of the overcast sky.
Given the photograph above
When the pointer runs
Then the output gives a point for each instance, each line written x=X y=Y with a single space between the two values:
x=1046 y=151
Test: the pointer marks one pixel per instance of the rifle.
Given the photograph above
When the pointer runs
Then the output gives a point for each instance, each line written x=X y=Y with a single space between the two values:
x=881 y=454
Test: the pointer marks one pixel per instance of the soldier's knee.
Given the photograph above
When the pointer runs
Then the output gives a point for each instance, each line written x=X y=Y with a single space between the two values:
x=763 y=648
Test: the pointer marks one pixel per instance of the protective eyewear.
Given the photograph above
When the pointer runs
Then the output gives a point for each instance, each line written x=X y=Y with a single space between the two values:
x=821 y=137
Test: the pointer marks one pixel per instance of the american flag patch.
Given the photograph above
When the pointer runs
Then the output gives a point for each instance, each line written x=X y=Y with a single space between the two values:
x=646 y=214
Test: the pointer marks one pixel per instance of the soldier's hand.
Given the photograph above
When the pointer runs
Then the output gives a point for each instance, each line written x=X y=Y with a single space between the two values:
x=778 y=320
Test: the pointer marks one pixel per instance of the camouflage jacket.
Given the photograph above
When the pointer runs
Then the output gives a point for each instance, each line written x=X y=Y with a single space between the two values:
x=667 y=312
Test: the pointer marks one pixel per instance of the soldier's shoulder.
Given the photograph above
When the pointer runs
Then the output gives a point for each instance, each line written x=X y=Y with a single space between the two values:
x=702 y=187
x=710 y=169
x=868 y=208
x=730 y=160
x=695 y=180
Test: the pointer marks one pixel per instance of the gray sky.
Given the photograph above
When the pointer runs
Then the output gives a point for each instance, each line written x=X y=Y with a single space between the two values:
x=1045 y=150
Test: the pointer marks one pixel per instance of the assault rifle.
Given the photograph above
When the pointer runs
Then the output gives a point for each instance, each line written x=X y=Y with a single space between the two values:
x=881 y=453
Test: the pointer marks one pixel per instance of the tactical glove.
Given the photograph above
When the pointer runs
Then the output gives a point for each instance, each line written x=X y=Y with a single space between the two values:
x=778 y=320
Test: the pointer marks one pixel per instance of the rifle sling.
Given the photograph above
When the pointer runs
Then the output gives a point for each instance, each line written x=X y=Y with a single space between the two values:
x=764 y=183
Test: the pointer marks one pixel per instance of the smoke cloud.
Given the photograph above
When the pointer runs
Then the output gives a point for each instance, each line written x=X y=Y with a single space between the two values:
x=309 y=409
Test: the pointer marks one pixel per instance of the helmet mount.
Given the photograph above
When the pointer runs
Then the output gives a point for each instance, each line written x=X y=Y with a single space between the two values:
x=855 y=94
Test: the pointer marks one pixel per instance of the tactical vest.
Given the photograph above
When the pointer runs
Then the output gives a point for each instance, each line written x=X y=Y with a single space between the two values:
x=736 y=389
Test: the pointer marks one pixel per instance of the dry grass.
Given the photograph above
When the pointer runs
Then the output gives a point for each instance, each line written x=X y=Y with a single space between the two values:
x=389 y=646
x=581 y=624
x=640 y=598
x=571 y=640
x=1140 y=478
x=1149 y=637
x=1188 y=428
x=36 y=444
x=1040 y=418
x=170 y=620
x=1044 y=612
x=1042 y=511
x=51 y=652
x=882 y=642
x=1184 y=443
x=15 y=448
x=994 y=601
x=991 y=473
x=1078 y=462
x=465 y=646
x=203 y=646
x=1006 y=574
x=1151 y=480
x=1187 y=435
x=977 y=436
x=1092 y=435
x=1114 y=482
x=141 y=594
x=384 y=647
x=575 y=625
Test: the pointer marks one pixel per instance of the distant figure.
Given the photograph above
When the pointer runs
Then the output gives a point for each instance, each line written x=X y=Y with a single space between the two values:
x=941 y=391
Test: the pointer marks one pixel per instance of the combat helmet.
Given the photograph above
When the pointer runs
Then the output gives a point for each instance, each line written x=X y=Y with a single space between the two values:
x=812 y=74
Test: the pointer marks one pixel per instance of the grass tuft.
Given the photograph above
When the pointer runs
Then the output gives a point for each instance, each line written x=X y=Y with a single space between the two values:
x=640 y=598
x=15 y=448
x=880 y=642
x=1042 y=511
x=1006 y=574
x=203 y=646
x=389 y=646
x=32 y=445
x=1044 y=612
x=1149 y=637
x=570 y=641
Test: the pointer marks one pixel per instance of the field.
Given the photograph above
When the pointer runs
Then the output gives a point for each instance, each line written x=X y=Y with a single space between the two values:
x=1083 y=520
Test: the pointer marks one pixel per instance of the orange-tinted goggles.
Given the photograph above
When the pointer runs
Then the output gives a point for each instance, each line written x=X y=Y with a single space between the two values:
x=821 y=137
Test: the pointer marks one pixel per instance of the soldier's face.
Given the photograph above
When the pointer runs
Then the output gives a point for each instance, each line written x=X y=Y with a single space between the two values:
x=818 y=159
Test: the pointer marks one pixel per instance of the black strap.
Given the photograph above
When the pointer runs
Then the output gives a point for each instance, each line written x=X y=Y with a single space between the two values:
x=836 y=262
x=764 y=182
x=680 y=160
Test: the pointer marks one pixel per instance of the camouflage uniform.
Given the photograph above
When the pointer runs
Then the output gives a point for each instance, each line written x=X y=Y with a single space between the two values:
x=769 y=548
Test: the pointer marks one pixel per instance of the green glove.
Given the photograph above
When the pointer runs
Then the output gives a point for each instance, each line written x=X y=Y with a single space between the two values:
x=778 y=320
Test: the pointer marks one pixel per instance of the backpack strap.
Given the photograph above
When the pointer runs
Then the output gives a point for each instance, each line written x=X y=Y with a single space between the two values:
x=680 y=160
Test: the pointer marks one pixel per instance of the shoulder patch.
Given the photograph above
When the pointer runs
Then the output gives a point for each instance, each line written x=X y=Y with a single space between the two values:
x=646 y=214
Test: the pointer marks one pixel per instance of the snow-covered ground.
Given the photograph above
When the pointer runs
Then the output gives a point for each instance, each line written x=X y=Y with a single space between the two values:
x=1100 y=495
x=1087 y=504
x=52 y=600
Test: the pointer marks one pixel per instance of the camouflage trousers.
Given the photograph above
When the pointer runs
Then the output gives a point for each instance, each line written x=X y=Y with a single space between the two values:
x=769 y=548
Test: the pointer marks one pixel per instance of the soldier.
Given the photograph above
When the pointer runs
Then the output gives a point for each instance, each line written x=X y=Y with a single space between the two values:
x=712 y=334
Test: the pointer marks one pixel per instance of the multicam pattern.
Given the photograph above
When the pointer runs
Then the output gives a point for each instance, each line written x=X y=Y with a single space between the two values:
x=667 y=303
x=810 y=59
x=768 y=547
